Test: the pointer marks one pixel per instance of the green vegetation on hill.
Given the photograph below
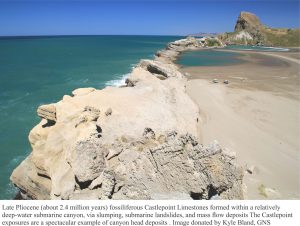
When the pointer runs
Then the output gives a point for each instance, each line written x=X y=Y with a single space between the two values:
x=289 y=38
x=250 y=31
x=213 y=42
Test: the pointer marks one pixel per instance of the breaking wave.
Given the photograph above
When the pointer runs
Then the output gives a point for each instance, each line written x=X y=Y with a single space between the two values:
x=117 y=82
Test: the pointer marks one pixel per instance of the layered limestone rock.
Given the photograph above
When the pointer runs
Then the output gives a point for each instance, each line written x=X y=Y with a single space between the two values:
x=47 y=112
x=248 y=30
x=159 y=69
x=184 y=44
x=247 y=21
x=248 y=27
x=137 y=141
x=173 y=49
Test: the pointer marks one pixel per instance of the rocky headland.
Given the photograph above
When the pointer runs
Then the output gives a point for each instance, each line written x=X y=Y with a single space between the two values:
x=249 y=30
x=137 y=141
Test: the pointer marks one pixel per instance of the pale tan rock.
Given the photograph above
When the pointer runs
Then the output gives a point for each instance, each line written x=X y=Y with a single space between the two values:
x=160 y=69
x=108 y=112
x=184 y=44
x=82 y=91
x=26 y=178
x=86 y=194
x=63 y=180
x=47 y=112
x=89 y=114
x=89 y=160
x=67 y=98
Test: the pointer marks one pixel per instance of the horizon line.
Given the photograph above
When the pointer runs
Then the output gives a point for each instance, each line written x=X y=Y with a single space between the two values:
x=54 y=35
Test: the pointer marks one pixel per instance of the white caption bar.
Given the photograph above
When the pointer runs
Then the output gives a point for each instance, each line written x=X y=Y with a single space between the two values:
x=154 y=212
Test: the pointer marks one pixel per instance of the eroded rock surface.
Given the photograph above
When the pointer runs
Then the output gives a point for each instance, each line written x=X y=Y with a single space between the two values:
x=47 y=112
x=141 y=168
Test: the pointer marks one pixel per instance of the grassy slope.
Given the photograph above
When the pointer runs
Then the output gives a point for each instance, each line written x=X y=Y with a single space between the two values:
x=283 y=37
x=275 y=37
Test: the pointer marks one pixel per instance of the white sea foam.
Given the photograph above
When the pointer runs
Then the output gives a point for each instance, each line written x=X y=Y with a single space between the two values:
x=15 y=161
x=117 y=82
x=14 y=101
x=132 y=66
x=264 y=48
x=269 y=48
x=10 y=190
x=278 y=49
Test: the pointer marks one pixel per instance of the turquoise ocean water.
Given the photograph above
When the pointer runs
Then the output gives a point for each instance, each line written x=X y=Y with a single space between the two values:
x=211 y=57
x=40 y=70
x=208 y=58
x=257 y=48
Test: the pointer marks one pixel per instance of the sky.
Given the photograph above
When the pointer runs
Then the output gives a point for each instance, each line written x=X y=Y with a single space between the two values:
x=139 y=17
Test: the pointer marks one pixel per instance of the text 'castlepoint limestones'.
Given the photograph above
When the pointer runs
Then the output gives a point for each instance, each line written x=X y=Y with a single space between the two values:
x=149 y=213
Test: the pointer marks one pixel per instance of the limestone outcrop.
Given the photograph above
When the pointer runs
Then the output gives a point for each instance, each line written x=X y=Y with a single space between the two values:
x=159 y=69
x=47 y=112
x=250 y=31
x=247 y=21
x=137 y=141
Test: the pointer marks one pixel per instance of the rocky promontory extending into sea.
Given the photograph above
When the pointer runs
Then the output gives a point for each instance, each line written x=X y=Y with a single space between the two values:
x=137 y=141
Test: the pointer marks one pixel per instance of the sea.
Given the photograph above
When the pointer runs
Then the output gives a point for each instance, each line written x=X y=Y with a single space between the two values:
x=208 y=57
x=40 y=70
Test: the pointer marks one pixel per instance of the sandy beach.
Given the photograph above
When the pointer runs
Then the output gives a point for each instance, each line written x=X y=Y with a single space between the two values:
x=257 y=116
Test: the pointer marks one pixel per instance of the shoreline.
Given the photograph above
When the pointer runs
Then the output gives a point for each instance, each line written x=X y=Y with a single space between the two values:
x=255 y=115
x=268 y=65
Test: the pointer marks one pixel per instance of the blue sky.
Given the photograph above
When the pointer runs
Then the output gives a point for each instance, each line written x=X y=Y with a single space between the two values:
x=165 y=17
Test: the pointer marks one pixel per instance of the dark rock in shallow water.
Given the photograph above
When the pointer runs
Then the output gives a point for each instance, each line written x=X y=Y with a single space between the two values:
x=18 y=196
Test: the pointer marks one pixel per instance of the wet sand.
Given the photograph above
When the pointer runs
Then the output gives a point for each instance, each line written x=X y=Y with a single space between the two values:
x=257 y=116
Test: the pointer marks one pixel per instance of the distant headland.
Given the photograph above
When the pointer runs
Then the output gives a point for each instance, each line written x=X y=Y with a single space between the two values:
x=250 y=31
